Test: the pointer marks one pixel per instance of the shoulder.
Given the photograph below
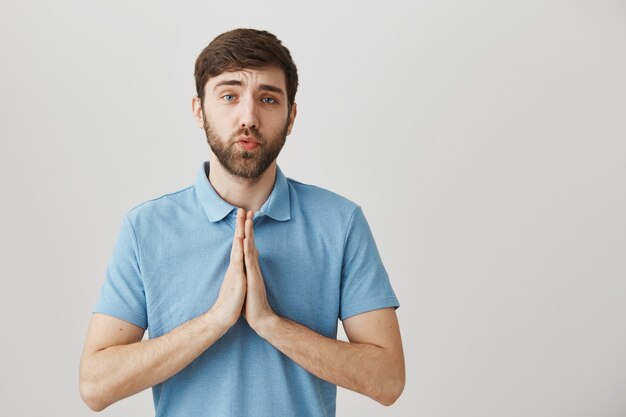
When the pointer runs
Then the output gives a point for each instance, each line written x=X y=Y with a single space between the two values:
x=320 y=196
x=168 y=205
x=322 y=202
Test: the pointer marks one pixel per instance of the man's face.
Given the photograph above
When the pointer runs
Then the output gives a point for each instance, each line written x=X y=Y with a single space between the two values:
x=242 y=108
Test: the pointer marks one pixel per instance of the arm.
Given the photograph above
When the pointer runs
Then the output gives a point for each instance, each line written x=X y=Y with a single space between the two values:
x=116 y=364
x=371 y=364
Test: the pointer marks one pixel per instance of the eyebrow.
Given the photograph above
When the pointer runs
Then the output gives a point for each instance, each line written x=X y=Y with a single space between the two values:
x=263 y=87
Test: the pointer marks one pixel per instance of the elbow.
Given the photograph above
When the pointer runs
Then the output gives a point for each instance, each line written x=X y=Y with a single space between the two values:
x=391 y=396
x=90 y=388
x=392 y=390
x=90 y=396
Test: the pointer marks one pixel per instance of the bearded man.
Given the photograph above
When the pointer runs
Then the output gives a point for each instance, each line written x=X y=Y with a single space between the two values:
x=241 y=277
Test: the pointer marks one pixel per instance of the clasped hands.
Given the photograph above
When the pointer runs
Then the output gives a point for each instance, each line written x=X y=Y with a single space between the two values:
x=243 y=288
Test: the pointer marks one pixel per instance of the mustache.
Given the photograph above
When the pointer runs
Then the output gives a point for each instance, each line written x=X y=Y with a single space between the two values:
x=248 y=132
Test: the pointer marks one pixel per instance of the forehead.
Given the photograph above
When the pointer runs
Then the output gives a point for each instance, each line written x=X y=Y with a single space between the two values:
x=271 y=75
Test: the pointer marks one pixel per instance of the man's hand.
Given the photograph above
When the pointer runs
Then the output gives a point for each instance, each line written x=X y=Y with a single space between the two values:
x=257 y=309
x=229 y=303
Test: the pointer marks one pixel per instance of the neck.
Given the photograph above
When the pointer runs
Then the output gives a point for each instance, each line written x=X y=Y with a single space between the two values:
x=247 y=193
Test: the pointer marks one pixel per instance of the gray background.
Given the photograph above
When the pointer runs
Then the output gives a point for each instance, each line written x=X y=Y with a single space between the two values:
x=484 y=141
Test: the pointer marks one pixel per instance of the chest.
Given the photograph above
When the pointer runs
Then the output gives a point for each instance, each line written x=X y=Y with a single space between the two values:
x=183 y=275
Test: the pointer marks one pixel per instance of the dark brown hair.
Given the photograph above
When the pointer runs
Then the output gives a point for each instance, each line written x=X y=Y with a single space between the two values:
x=245 y=48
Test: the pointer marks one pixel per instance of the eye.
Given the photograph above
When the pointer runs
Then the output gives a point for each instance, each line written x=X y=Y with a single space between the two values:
x=228 y=97
x=269 y=98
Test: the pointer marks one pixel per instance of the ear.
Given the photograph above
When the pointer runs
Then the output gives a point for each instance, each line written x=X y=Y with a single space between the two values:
x=198 y=114
x=292 y=117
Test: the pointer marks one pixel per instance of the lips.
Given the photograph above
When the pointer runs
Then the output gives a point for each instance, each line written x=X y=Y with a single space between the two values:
x=247 y=139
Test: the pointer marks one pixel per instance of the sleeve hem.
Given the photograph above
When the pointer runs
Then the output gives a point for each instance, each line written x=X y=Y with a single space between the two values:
x=125 y=315
x=359 y=308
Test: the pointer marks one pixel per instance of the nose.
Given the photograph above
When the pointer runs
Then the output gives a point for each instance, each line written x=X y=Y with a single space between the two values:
x=248 y=113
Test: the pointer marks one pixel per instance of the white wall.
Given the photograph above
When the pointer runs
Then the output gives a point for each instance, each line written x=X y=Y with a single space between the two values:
x=484 y=141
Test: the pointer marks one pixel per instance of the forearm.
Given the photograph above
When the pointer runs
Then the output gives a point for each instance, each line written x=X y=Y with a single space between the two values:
x=360 y=367
x=121 y=371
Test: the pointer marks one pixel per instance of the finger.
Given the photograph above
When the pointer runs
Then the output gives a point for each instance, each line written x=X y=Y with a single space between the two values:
x=249 y=261
x=247 y=227
x=248 y=249
x=250 y=228
x=251 y=251
x=236 y=253
x=241 y=218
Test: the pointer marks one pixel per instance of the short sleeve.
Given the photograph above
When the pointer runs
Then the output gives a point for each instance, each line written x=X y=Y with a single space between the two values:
x=365 y=284
x=122 y=295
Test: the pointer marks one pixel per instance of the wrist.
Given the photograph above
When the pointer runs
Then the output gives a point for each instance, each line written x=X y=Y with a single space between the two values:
x=266 y=327
x=213 y=319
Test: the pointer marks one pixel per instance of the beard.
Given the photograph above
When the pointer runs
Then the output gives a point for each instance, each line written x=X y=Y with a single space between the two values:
x=242 y=163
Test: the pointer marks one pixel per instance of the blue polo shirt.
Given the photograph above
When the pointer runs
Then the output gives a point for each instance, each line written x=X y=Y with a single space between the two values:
x=319 y=262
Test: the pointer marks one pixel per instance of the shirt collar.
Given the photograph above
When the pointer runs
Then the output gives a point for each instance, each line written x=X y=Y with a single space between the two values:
x=276 y=206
